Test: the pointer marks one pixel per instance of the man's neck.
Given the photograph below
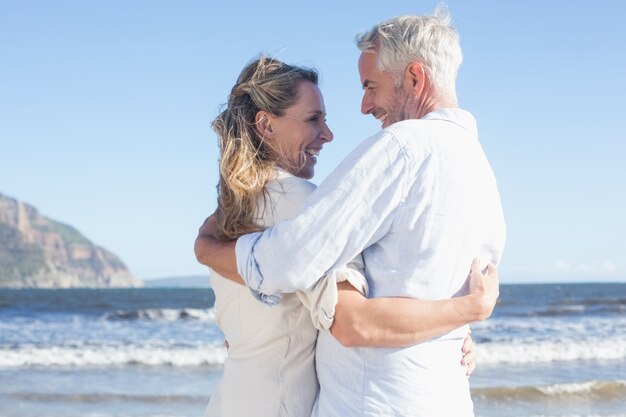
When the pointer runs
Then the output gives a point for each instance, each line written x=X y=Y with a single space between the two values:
x=429 y=103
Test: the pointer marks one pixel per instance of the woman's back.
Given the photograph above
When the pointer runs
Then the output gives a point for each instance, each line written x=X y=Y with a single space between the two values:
x=270 y=369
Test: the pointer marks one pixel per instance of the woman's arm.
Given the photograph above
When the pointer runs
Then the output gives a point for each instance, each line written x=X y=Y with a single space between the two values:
x=397 y=321
x=219 y=256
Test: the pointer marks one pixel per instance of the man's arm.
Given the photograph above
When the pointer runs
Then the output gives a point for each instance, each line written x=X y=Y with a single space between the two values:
x=397 y=322
x=219 y=256
x=352 y=208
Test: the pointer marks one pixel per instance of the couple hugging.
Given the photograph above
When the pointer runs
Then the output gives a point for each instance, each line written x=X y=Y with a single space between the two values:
x=353 y=299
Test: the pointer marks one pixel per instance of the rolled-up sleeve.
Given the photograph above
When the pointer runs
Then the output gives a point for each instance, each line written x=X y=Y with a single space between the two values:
x=322 y=298
x=249 y=269
x=351 y=209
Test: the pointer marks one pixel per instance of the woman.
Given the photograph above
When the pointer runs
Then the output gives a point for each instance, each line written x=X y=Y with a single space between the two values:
x=271 y=134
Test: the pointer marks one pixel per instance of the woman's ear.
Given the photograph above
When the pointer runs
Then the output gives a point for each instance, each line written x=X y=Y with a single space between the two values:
x=263 y=124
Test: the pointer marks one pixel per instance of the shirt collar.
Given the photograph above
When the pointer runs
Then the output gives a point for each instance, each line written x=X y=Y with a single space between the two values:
x=457 y=116
x=282 y=174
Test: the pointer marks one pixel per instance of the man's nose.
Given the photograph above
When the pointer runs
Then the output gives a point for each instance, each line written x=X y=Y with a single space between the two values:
x=366 y=104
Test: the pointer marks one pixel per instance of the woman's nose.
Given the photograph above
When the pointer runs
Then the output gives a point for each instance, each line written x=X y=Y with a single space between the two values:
x=327 y=134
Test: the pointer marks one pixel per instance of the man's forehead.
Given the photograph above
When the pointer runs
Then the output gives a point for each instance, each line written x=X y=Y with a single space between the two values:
x=368 y=60
x=365 y=68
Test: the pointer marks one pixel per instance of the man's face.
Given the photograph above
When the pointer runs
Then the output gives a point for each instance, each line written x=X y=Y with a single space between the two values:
x=381 y=97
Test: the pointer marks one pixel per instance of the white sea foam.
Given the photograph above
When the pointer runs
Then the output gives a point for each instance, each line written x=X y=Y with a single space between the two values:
x=583 y=388
x=541 y=326
x=114 y=355
x=214 y=354
x=551 y=351
x=563 y=392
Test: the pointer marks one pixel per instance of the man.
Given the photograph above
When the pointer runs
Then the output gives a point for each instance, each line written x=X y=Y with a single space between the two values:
x=418 y=199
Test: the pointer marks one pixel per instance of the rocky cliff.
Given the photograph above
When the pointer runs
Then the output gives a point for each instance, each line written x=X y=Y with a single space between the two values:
x=39 y=252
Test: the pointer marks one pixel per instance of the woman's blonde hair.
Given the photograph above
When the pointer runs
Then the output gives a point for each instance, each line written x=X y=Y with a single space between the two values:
x=247 y=161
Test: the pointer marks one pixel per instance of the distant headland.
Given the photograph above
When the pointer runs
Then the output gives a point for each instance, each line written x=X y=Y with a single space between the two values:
x=37 y=252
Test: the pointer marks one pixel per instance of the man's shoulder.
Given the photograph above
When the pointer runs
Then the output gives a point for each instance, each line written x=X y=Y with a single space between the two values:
x=413 y=137
x=433 y=121
x=411 y=128
x=407 y=128
x=431 y=131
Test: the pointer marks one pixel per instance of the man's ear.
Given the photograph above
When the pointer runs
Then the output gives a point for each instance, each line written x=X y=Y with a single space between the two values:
x=415 y=78
x=263 y=124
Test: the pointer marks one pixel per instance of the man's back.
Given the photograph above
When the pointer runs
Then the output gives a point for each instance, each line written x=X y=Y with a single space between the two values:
x=446 y=212
x=450 y=213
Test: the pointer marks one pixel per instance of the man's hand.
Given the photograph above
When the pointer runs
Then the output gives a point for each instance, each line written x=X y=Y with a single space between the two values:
x=484 y=289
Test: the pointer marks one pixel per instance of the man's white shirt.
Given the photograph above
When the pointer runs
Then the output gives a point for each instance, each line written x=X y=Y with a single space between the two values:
x=420 y=201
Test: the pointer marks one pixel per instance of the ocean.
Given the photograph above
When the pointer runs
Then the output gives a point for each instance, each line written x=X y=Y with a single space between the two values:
x=548 y=350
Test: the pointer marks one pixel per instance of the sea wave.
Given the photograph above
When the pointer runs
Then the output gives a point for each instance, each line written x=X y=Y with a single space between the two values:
x=101 y=398
x=574 y=415
x=551 y=351
x=577 y=309
x=603 y=301
x=568 y=392
x=536 y=329
x=163 y=314
x=114 y=355
x=213 y=353
x=556 y=311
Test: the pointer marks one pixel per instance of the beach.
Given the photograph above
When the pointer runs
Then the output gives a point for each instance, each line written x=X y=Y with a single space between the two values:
x=548 y=350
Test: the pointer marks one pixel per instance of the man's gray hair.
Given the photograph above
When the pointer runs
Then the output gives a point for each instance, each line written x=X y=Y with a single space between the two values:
x=430 y=40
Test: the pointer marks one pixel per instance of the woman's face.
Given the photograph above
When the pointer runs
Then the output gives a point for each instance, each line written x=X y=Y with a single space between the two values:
x=301 y=132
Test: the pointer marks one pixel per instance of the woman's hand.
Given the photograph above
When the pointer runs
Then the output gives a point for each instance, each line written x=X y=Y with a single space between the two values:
x=217 y=255
x=209 y=227
x=469 y=359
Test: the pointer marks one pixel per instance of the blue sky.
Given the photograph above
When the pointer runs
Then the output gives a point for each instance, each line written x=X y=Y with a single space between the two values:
x=105 y=111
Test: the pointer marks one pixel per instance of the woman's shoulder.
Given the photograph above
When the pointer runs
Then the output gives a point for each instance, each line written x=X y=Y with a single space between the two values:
x=285 y=197
x=286 y=184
